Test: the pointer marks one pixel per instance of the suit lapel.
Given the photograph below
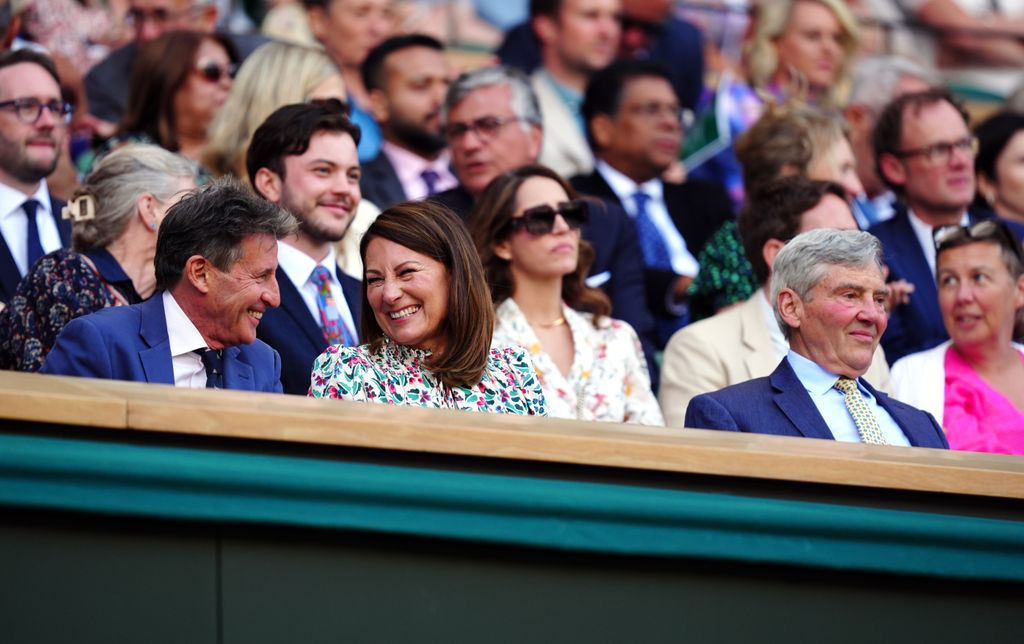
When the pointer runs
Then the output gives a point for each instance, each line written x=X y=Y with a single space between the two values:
x=918 y=273
x=796 y=403
x=156 y=357
x=238 y=375
x=760 y=355
x=63 y=225
x=296 y=309
x=352 y=289
x=916 y=438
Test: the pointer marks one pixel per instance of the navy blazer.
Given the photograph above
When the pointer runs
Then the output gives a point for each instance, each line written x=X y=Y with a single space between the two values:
x=131 y=343
x=296 y=335
x=779 y=404
x=10 y=276
x=379 y=183
x=917 y=325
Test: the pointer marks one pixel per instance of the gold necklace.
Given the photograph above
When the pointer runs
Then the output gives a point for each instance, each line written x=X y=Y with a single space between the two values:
x=549 y=325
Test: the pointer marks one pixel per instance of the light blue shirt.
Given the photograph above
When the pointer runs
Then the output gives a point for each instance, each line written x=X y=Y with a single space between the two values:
x=831 y=404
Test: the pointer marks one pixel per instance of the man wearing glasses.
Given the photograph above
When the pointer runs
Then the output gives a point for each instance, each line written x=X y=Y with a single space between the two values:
x=33 y=124
x=925 y=153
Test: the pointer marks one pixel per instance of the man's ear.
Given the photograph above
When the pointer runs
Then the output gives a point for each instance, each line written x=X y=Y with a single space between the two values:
x=770 y=249
x=379 y=106
x=208 y=18
x=268 y=184
x=536 y=139
x=198 y=273
x=892 y=169
x=545 y=29
x=602 y=128
x=317 y=18
x=791 y=307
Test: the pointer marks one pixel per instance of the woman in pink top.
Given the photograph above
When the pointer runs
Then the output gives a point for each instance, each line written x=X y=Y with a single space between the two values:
x=975 y=382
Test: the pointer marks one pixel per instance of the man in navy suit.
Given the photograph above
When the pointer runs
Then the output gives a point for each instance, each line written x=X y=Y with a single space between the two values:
x=925 y=154
x=406 y=78
x=215 y=260
x=829 y=296
x=33 y=124
x=304 y=159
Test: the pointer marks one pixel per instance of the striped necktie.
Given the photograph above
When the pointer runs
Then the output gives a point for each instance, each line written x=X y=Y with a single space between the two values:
x=867 y=425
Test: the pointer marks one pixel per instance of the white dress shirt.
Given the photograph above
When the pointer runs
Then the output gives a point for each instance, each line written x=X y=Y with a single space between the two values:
x=14 y=224
x=831 y=403
x=923 y=232
x=683 y=261
x=184 y=338
x=298 y=266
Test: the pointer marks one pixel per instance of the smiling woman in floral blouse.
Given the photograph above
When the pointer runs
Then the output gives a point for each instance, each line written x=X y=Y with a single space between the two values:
x=428 y=324
x=526 y=227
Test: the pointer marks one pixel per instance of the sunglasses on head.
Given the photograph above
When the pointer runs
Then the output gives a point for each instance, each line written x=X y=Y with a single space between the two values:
x=955 y=235
x=213 y=72
x=540 y=220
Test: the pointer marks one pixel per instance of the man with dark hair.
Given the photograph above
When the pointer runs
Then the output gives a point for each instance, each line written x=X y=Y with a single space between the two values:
x=303 y=158
x=744 y=341
x=829 y=297
x=406 y=78
x=577 y=38
x=33 y=124
x=634 y=127
x=925 y=154
x=216 y=254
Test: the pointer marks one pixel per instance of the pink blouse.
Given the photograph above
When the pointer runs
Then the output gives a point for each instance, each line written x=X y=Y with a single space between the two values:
x=977 y=418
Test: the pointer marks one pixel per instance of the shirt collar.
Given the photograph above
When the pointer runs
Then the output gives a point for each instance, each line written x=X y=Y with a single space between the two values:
x=110 y=270
x=816 y=379
x=182 y=335
x=11 y=200
x=569 y=96
x=298 y=266
x=624 y=187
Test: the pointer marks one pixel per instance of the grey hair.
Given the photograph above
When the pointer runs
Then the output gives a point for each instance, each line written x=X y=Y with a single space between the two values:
x=524 y=100
x=804 y=261
x=117 y=182
x=875 y=79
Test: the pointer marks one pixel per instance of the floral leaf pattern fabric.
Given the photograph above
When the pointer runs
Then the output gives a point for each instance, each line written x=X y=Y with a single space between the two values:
x=398 y=375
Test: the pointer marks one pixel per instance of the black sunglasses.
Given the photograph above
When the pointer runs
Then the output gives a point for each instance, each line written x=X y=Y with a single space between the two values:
x=540 y=220
x=955 y=235
x=213 y=72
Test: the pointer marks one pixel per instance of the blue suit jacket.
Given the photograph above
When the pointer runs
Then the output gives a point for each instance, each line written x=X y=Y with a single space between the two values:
x=10 y=277
x=917 y=325
x=380 y=184
x=296 y=335
x=779 y=404
x=131 y=343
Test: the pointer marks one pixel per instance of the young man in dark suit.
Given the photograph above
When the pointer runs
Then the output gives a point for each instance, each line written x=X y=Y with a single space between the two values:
x=829 y=295
x=215 y=261
x=303 y=158
x=33 y=124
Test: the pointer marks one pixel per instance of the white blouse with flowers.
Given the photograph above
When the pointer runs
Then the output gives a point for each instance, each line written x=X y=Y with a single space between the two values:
x=608 y=380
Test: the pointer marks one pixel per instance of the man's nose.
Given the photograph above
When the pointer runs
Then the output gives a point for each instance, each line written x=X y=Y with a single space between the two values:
x=272 y=296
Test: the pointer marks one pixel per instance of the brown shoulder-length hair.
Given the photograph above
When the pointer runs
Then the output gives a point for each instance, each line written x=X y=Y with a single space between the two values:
x=161 y=69
x=496 y=206
x=431 y=229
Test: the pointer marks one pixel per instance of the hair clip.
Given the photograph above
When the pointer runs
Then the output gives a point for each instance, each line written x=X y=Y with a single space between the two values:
x=82 y=208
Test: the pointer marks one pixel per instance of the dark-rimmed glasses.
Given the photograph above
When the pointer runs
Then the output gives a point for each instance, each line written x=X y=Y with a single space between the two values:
x=955 y=235
x=159 y=16
x=486 y=128
x=28 y=110
x=213 y=71
x=540 y=220
x=942 y=152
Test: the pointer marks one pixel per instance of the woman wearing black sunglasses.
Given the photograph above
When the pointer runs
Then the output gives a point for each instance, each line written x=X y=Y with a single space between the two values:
x=526 y=227
x=974 y=383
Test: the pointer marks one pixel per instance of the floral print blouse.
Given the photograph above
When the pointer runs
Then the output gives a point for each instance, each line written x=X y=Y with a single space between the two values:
x=397 y=375
x=608 y=380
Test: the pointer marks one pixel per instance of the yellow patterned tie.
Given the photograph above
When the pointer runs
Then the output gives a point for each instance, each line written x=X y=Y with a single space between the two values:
x=865 y=421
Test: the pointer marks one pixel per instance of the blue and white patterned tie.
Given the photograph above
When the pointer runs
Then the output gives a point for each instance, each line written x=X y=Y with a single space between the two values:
x=652 y=244
x=867 y=425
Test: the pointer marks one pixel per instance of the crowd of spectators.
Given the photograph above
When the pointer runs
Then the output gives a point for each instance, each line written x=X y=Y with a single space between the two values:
x=603 y=210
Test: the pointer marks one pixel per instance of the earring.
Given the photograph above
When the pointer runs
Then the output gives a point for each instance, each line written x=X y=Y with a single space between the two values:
x=152 y=226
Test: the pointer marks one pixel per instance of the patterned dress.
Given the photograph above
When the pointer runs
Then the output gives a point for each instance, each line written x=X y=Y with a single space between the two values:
x=608 y=379
x=726 y=276
x=397 y=375
x=60 y=287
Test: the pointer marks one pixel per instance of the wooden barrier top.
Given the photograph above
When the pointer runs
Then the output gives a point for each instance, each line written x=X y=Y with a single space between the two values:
x=158 y=408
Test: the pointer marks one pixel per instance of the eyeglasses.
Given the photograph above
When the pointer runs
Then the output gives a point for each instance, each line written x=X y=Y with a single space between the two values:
x=951 y=236
x=486 y=128
x=942 y=152
x=158 y=16
x=213 y=72
x=654 y=110
x=28 y=110
x=540 y=220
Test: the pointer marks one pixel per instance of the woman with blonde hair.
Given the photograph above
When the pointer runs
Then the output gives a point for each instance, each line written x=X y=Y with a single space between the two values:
x=116 y=214
x=798 y=50
x=275 y=75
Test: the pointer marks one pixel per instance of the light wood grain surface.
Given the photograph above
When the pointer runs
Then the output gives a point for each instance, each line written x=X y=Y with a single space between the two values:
x=139 y=407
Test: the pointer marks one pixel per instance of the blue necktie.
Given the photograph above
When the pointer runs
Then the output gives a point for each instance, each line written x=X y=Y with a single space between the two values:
x=652 y=244
x=214 y=365
x=430 y=178
x=335 y=331
x=33 y=245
